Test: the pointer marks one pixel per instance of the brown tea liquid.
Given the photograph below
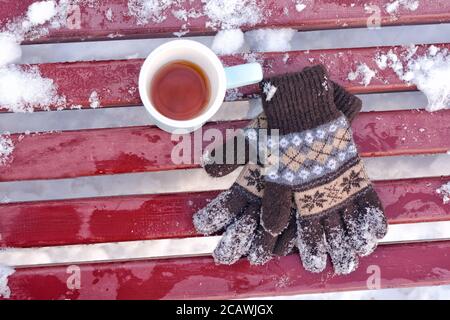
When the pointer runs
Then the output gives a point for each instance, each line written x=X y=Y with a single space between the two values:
x=180 y=90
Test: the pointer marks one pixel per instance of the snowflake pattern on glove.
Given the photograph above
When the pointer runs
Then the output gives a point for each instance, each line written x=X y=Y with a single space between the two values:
x=254 y=178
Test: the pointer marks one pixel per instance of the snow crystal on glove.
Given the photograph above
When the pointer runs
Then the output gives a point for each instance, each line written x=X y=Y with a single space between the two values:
x=269 y=90
x=314 y=259
x=258 y=255
x=343 y=257
x=366 y=229
x=236 y=241
x=289 y=247
x=377 y=222
x=215 y=216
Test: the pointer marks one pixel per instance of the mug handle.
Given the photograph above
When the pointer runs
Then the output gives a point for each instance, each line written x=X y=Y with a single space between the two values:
x=243 y=75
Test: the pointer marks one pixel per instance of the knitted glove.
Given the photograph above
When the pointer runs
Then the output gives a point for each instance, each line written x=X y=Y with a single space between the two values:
x=318 y=166
x=238 y=209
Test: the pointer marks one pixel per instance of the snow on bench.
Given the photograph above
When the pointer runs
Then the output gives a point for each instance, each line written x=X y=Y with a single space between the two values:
x=115 y=82
x=112 y=19
x=96 y=152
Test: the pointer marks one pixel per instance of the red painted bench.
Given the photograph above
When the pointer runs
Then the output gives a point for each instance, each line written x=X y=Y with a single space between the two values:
x=129 y=217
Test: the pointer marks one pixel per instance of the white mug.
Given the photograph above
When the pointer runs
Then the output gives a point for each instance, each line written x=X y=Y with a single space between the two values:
x=220 y=79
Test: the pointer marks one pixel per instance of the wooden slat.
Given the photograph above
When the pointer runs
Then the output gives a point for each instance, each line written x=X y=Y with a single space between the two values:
x=95 y=152
x=402 y=132
x=318 y=14
x=138 y=149
x=401 y=265
x=116 y=82
x=148 y=217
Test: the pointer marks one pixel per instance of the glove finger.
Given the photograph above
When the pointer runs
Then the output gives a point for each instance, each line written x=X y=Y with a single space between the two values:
x=372 y=212
x=221 y=211
x=236 y=151
x=311 y=244
x=361 y=239
x=365 y=222
x=342 y=255
x=287 y=240
x=262 y=247
x=238 y=237
x=220 y=170
x=347 y=103
x=226 y=158
x=276 y=208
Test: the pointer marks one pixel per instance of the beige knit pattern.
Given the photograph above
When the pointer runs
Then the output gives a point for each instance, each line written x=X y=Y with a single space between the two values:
x=330 y=195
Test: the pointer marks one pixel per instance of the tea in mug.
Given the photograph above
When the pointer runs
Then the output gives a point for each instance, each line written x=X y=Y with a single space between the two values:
x=180 y=90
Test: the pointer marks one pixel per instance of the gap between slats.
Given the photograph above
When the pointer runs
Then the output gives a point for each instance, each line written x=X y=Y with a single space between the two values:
x=193 y=180
x=306 y=40
x=137 y=116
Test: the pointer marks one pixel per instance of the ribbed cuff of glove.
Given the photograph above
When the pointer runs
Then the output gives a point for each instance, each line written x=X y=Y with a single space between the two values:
x=303 y=101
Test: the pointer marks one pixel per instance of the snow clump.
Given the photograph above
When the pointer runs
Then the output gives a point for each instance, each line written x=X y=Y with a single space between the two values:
x=5 y=272
x=228 y=41
x=429 y=72
x=394 y=6
x=22 y=89
x=10 y=49
x=362 y=72
x=232 y=14
x=270 y=40
x=269 y=90
x=41 y=12
x=6 y=149
x=149 y=10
